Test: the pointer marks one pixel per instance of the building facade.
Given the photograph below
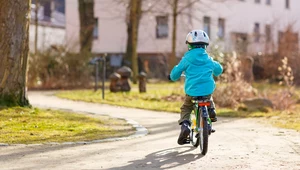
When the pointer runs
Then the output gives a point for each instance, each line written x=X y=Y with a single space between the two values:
x=51 y=25
x=250 y=26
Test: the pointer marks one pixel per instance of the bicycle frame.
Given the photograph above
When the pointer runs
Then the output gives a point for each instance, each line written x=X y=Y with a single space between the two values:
x=203 y=112
x=201 y=125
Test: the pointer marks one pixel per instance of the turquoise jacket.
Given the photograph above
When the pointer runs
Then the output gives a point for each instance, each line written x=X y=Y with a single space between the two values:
x=199 y=69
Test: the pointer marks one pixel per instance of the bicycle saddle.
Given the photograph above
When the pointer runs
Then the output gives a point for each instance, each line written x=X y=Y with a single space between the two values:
x=202 y=100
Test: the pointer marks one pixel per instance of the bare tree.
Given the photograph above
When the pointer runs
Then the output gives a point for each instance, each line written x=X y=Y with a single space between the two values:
x=37 y=5
x=135 y=12
x=176 y=11
x=174 y=32
x=87 y=22
x=14 y=48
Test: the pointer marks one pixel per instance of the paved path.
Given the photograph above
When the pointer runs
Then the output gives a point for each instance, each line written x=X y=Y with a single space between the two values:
x=237 y=144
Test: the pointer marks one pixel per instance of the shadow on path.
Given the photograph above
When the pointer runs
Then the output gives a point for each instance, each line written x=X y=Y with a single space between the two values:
x=164 y=159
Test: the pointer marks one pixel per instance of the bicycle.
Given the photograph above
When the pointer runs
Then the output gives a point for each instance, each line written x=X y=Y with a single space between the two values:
x=201 y=125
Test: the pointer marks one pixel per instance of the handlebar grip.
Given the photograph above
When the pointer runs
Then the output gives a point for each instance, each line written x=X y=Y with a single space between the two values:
x=169 y=77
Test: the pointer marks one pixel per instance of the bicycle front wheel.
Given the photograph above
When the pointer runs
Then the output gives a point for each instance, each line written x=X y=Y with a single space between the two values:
x=203 y=136
x=194 y=138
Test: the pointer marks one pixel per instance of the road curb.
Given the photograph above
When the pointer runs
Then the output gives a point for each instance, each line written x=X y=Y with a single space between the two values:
x=140 y=130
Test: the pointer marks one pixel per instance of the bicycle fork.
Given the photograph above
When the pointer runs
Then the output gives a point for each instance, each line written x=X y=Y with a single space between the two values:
x=205 y=116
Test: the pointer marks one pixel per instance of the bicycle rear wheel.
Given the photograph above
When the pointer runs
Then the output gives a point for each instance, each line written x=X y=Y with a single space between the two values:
x=203 y=136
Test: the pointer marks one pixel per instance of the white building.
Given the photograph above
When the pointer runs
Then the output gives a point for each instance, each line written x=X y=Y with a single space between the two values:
x=229 y=23
x=51 y=27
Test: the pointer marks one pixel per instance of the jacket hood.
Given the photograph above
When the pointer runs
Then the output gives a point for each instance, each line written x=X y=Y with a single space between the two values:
x=197 y=56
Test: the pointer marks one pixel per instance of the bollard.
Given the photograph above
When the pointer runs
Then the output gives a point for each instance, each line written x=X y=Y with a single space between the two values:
x=125 y=73
x=142 y=82
x=96 y=75
x=103 y=74
x=114 y=82
x=95 y=61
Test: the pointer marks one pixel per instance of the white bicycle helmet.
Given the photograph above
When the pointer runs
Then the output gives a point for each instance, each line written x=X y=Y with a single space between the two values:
x=197 y=37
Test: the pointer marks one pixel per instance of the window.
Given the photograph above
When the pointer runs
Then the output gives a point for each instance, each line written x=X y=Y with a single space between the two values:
x=268 y=2
x=162 y=28
x=240 y=41
x=287 y=4
x=221 y=28
x=206 y=25
x=256 y=32
x=96 y=29
x=60 y=5
x=257 y=1
x=47 y=11
x=268 y=33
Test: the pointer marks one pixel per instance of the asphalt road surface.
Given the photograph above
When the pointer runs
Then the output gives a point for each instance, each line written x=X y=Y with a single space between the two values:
x=237 y=144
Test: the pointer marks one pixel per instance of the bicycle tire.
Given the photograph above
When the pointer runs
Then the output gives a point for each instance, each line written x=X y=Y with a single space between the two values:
x=194 y=140
x=204 y=137
x=194 y=135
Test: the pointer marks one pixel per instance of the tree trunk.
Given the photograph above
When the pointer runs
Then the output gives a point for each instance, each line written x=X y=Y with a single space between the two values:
x=14 y=48
x=174 y=31
x=37 y=5
x=87 y=23
x=135 y=10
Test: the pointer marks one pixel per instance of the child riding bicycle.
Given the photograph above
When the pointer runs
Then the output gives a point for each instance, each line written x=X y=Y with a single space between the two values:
x=199 y=69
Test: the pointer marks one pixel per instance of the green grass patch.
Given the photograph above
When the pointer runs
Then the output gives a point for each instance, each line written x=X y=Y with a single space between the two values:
x=262 y=86
x=156 y=99
x=287 y=119
x=27 y=126
x=152 y=100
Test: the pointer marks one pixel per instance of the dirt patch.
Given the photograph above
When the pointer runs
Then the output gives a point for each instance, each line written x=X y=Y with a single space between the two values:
x=173 y=98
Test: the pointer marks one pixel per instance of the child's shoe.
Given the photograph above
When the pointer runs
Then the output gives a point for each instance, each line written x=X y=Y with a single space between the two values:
x=185 y=132
x=212 y=114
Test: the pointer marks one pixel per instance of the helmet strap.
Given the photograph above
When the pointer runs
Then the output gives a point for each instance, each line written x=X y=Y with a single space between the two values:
x=190 y=46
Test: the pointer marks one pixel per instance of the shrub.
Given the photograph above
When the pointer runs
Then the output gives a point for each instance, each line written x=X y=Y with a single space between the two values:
x=266 y=66
x=233 y=88
x=284 y=98
x=55 y=69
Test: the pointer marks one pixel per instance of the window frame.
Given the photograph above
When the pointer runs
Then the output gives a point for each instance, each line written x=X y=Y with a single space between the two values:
x=257 y=1
x=159 y=26
x=287 y=4
x=222 y=24
x=256 y=32
x=268 y=33
x=96 y=28
x=208 y=23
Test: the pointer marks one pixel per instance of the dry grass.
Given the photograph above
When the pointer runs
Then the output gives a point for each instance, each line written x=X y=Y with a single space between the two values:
x=232 y=88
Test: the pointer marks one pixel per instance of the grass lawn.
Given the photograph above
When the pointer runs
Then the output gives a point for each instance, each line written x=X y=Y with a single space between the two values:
x=27 y=126
x=151 y=100
x=157 y=98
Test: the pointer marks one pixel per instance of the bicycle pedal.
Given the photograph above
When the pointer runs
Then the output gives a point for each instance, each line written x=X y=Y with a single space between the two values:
x=187 y=141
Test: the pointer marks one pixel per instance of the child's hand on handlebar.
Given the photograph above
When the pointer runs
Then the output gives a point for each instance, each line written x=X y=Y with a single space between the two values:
x=169 y=77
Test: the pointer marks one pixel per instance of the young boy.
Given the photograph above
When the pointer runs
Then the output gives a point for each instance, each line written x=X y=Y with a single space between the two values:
x=199 y=69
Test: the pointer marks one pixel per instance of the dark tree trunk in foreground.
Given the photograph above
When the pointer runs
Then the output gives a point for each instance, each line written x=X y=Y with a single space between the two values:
x=135 y=10
x=87 y=23
x=14 y=34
